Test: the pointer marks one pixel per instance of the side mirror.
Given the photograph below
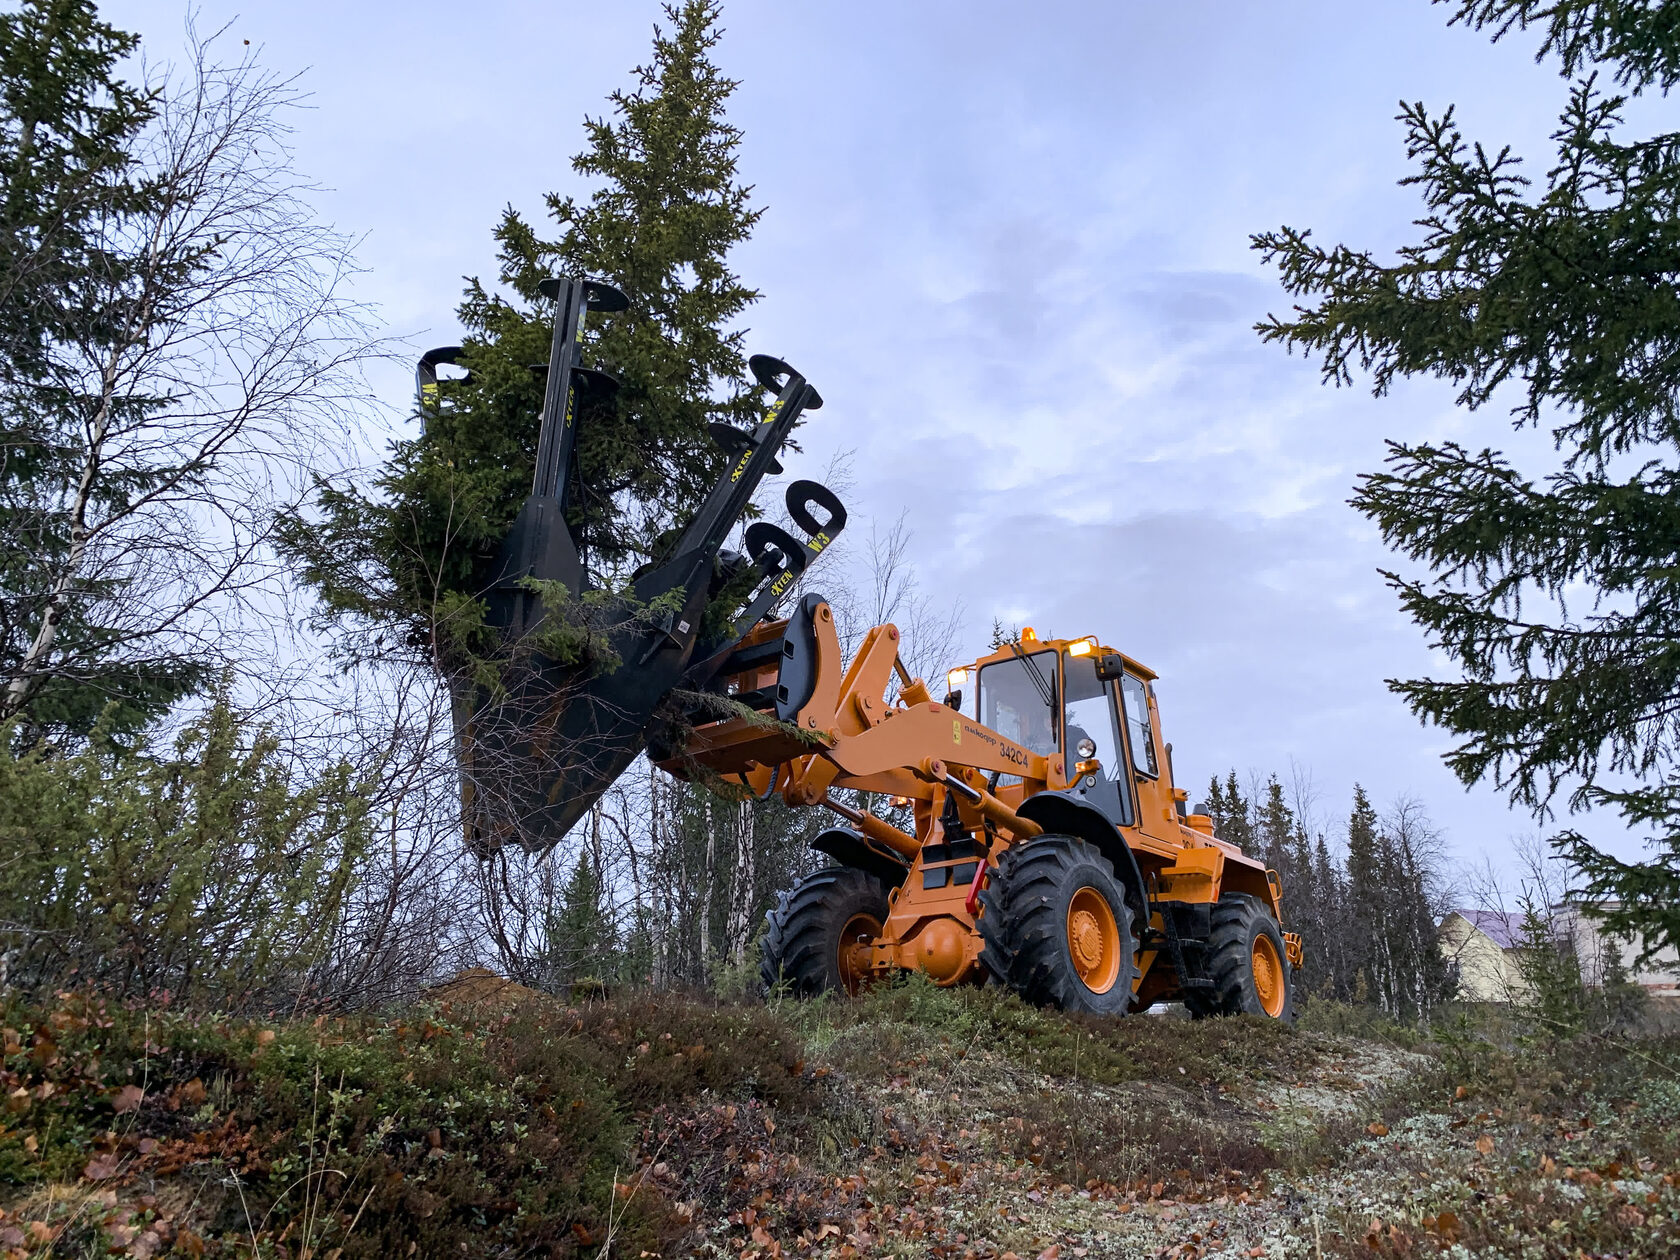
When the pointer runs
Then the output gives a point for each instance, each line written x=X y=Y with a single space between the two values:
x=953 y=700
x=1110 y=667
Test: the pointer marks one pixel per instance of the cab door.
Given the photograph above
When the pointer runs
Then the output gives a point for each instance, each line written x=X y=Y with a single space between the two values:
x=1089 y=715
x=1156 y=814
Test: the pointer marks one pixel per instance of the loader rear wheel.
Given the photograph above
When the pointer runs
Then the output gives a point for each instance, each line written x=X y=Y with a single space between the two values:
x=1247 y=963
x=816 y=930
x=1057 y=927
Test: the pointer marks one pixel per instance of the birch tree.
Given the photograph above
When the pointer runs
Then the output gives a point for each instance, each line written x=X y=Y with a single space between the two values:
x=160 y=404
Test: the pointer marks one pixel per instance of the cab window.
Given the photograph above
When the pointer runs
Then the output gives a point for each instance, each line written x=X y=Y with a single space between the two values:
x=1016 y=701
x=1136 y=702
x=1090 y=715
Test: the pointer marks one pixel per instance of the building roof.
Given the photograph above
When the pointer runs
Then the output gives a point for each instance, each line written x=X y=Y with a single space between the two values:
x=1503 y=928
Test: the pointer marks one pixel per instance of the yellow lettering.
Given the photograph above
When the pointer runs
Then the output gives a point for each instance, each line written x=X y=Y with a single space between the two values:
x=741 y=465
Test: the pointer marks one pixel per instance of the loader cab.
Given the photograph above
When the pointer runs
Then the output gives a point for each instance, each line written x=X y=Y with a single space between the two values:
x=1051 y=698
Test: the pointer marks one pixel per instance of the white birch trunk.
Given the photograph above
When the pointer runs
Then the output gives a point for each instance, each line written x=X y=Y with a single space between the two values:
x=742 y=884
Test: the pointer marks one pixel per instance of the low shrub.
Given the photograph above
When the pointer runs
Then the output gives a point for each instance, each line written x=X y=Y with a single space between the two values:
x=414 y=1134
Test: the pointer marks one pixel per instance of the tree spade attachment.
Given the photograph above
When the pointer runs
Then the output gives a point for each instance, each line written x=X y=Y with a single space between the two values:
x=583 y=670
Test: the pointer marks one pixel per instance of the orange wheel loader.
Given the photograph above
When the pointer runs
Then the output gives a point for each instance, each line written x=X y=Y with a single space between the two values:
x=1046 y=846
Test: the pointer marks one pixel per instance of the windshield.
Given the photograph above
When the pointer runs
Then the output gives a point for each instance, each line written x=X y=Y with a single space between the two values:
x=1012 y=701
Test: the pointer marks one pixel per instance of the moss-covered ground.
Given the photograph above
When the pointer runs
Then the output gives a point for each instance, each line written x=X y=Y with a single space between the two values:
x=912 y=1122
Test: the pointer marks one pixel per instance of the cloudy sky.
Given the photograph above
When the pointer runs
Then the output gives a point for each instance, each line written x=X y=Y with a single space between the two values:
x=1010 y=245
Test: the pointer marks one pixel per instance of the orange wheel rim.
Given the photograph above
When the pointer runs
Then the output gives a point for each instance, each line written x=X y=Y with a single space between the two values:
x=1268 y=976
x=854 y=952
x=1093 y=940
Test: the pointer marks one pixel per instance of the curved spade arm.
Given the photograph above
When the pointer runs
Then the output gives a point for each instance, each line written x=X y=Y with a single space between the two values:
x=729 y=498
x=426 y=390
x=780 y=556
x=557 y=429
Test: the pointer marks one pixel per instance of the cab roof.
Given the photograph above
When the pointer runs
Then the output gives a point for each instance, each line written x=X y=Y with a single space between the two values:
x=1030 y=642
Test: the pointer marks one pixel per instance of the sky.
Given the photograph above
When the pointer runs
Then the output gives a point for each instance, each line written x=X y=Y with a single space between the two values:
x=1010 y=245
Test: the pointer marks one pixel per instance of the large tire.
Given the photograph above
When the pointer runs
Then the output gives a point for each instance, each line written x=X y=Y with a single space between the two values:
x=1247 y=963
x=1057 y=928
x=814 y=925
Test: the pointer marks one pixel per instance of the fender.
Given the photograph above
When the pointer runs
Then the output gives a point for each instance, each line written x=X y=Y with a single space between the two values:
x=850 y=848
x=1067 y=815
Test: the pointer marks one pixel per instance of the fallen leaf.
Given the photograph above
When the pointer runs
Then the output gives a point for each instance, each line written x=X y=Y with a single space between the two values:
x=1484 y=1145
x=101 y=1167
x=127 y=1099
x=1462 y=1092
x=1052 y=1252
x=1377 y=1129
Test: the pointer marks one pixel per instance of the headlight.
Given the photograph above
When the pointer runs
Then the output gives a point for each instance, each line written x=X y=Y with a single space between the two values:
x=1086 y=748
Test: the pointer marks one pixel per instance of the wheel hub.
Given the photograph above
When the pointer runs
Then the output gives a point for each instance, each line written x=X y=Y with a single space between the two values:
x=854 y=950
x=1087 y=940
x=1093 y=939
x=1269 y=984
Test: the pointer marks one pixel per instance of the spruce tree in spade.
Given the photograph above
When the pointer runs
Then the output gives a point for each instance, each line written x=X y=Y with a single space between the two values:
x=660 y=224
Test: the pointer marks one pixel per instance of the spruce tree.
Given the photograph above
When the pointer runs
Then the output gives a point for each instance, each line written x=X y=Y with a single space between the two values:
x=1554 y=590
x=1231 y=817
x=1366 y=900
x=580 y=937
x=1277 y=827
x=1327 y=959
x=1551 y=971
x=69 y=126
x=660 y=227
x=667 y=209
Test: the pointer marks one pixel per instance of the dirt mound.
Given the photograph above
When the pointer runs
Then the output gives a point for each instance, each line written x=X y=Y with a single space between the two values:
x=480 y=991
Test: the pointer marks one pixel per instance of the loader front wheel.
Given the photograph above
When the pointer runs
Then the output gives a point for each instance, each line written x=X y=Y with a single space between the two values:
x=820 y=930
x=1247 y=963
x=1057 y=927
